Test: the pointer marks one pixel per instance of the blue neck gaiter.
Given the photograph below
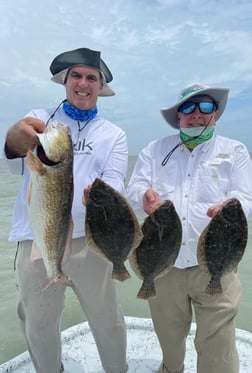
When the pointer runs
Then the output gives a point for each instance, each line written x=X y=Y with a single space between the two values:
x=77 y=114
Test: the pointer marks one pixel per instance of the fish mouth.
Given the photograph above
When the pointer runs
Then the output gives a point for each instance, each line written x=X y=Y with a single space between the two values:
x=43 y=157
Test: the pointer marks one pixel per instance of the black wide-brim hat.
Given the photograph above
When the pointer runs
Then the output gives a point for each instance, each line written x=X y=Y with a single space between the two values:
x=82 y=56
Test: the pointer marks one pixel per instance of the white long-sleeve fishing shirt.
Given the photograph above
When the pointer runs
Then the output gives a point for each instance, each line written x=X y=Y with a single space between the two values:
x=100 y=150
x=213 y=172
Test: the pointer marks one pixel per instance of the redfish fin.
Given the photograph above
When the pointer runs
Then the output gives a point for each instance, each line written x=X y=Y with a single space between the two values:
x=68 y=248
x=35 y=253
x=29 y=192
x=62 y=279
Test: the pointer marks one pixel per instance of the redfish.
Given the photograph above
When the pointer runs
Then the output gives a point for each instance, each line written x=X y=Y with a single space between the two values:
x=49 y=199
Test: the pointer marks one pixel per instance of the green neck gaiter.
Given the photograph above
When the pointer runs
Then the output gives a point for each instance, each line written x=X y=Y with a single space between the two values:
x=192 y=137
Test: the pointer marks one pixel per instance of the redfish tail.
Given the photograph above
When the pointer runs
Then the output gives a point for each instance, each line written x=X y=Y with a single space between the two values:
x=62 y=279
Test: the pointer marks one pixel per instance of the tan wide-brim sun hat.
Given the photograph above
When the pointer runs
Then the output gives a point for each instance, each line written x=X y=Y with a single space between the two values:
x=82 y=56
x=219 y=95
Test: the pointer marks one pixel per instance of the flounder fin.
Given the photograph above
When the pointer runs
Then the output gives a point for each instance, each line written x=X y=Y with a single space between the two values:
x=92 y=245
x=134 y=264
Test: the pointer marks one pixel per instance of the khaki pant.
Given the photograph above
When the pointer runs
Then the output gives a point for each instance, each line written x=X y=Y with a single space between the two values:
x=178 y=292
x=40 y=313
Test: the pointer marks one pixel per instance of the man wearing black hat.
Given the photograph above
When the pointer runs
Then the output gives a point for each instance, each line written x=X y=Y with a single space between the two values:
x=198 y=171
x=100 y=150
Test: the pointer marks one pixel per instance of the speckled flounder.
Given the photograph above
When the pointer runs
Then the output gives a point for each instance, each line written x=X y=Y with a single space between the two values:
x=159 y=247
x=49 y=199
x=112 y=229
x=222 y=243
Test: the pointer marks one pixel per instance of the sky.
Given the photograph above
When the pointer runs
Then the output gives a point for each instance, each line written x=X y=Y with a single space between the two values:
x=154 y=48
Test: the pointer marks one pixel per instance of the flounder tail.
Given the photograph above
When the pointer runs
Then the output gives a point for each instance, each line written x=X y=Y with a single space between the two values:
x=214 y=287
x=147 y=290
x=120 y=273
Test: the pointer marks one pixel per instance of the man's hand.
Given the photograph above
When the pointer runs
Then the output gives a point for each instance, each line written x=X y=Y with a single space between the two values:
x=151 y=201
x=212 y=211
x=22 y=137
x=85 y=194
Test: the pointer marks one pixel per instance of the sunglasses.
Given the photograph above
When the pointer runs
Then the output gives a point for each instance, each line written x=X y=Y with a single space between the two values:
x=205 y=107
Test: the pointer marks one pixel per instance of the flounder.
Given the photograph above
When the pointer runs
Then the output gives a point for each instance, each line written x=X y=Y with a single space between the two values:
x=222 y=243
x=112 y=229
x=159 y=248
x=49 y=199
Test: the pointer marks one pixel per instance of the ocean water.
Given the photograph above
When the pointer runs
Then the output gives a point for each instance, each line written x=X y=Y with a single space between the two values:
x=12 y=342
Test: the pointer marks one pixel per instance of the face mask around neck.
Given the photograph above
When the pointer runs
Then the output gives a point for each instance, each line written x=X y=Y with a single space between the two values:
x=198 y=131
x=196 y=135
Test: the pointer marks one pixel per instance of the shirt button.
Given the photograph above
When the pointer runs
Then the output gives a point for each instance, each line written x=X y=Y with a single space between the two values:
x=186 y=195
x=183 y=218
x=189 y=175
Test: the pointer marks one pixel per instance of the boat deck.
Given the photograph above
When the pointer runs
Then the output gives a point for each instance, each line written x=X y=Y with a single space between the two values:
x=144 y=355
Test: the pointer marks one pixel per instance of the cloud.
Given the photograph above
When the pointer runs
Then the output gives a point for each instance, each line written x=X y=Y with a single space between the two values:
x=153 y=47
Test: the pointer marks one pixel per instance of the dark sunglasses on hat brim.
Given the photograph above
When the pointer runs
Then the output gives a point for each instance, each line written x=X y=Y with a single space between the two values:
x=204 y=107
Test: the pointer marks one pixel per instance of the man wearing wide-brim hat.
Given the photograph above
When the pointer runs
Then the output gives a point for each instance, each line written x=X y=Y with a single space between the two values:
x=83 y=56
x=100 y=151
x=198 y=171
